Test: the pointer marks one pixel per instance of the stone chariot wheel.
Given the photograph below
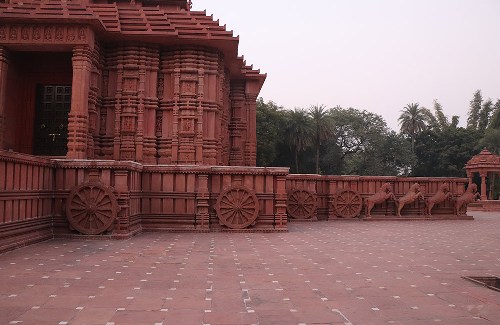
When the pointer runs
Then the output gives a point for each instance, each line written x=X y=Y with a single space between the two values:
x=237 y=207
x=91 y=208
x=301 y=204
x=348 y=203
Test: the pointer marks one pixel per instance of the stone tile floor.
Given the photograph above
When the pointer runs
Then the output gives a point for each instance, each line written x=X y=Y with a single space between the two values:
x=318 y=273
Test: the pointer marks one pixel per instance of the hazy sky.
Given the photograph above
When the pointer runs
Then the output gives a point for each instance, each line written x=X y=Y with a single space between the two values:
x=377 y=55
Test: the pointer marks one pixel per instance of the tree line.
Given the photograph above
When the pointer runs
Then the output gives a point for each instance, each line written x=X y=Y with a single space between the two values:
x=350 y=141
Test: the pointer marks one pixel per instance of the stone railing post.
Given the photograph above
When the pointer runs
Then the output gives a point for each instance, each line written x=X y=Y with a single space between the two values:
x=202 y=197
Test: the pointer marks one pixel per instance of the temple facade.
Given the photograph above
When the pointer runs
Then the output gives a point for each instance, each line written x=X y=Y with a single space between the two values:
x=148 y=81
x=123 y=116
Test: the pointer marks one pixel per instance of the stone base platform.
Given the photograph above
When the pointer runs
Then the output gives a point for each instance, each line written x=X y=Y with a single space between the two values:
x=317 y=273
x=418 y=217
x=486 y=205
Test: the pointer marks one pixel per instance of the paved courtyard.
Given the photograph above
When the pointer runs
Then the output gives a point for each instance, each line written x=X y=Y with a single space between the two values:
x=318 y=273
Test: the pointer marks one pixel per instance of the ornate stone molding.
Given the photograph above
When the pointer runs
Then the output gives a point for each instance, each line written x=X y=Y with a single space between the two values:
x=15 y=157
x=46 y=34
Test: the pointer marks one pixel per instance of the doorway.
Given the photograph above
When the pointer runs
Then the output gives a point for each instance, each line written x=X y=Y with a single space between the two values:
x=53 y=103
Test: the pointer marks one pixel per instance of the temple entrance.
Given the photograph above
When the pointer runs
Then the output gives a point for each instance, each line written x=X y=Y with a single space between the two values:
x=53 y=103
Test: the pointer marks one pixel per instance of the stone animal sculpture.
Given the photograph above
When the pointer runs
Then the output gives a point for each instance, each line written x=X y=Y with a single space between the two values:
x=410 y=197
x=442 y=195
x=382 y=195
x=469 y=196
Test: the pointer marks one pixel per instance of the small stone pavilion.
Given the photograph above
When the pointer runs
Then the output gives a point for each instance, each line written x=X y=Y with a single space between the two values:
x=487 y=165
x=122 y=116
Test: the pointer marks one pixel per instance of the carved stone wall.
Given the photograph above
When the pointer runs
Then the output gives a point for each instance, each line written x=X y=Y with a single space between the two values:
x=190 y=106
x=326 y=189
x=129 y=103
x=26 y=204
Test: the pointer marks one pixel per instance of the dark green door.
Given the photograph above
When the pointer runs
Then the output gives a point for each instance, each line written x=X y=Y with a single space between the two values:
x=51 y=120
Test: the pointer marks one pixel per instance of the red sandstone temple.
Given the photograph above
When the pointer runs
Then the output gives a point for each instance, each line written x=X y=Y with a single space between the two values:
x=147 y=81
x=124 y=116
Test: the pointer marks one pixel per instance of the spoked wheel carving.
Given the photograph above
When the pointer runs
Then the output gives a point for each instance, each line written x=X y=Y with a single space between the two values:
x=348 y=203
x=301 y=204
x=91 y=208
x=237 y=207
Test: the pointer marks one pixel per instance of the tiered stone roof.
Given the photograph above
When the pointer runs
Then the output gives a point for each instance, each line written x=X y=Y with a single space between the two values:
x=485 y=160
x=147 y=21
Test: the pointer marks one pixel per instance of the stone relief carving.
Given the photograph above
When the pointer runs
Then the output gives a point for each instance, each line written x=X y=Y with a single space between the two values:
x=442 y=195
x=43 y=33
x=384 y=194
x=410 y=197
x=469 y=196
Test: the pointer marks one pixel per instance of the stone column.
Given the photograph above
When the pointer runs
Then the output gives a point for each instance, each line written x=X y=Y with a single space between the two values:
x=4 y=64
x=236 y=124
x=469 y=176
x=251 y=137
x=78 y=116
x=483 y=186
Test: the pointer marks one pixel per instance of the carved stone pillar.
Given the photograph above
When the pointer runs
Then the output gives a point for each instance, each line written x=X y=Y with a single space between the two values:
x=236 y=124
x=483 y=186
x=251 y=137
x=4 y=64
x=78 y=116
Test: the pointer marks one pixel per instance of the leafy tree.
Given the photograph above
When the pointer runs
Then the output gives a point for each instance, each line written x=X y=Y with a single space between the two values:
x=495 y=116
x=298 y=133
x=475 y=110
x=491 y=140
x=442 y=120
x=413 y=120
x=445 y=153
x=361 y=144
x=484 y=115
x=396 y=156
x=320 y=127
x=270 y=132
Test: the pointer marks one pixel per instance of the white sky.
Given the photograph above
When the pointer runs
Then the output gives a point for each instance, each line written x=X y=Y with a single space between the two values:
x=377 y=55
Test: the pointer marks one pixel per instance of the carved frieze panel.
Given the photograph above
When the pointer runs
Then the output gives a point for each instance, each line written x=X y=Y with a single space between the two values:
x=128 y=124
x=130 y=84
x=161 y=85
x=46 y=34
x=159 y=123
x=188 y=87
x=127 y=155
x=188 y=84
x=187 y=126
x=102 y=123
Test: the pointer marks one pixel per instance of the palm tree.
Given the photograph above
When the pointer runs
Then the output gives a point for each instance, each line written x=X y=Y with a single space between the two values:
x=413 y=120
x=298 y=132
x=321 y=128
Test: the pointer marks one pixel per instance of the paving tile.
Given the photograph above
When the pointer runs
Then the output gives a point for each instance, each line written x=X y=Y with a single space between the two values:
x=317 y=273
x=48 y=315
x=91 y=316
x=185 y=317
x=136 y=317
x=229 y=317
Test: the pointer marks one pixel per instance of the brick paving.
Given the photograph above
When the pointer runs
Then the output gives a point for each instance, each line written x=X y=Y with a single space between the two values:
x=318 y=273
